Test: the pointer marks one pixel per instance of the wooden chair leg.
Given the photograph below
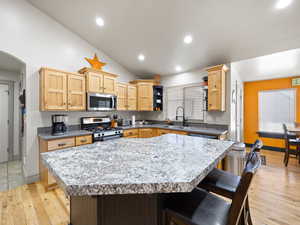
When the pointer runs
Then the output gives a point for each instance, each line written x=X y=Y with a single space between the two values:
x=247 y=208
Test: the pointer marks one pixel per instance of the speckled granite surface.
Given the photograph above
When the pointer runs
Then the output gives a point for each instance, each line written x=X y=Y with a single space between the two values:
x=169 y=163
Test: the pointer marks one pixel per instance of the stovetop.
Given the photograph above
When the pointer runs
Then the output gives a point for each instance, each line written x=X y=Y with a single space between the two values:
x=101 y=129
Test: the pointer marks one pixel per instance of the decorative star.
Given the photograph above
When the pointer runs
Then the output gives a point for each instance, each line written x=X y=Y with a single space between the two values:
x=95 y=63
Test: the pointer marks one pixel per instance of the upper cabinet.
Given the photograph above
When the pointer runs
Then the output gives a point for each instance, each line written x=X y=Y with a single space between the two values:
x=61 y=91
x=127 y=97
x=98 y=81
x=144 y=94
x=217 y=88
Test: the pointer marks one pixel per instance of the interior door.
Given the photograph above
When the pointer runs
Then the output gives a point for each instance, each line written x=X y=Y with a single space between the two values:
x=4 y=123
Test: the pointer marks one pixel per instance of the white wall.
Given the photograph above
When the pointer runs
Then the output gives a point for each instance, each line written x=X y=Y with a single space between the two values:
x=15 y=78
x=194 y=77
x=277 y=65
x=38 y=40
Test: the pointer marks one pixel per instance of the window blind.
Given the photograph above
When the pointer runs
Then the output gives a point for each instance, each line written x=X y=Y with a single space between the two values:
x=275 y=108
x=191 y=97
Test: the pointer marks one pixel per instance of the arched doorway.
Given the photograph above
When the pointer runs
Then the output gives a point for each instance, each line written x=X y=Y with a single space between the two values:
x=12 y=109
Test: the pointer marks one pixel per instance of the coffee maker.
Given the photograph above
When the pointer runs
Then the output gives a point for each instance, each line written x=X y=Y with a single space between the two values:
x=59 y=126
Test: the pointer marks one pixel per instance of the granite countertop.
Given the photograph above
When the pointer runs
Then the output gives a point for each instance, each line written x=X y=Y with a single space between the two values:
x=192 y=129
x=71 y=133
x=164 y=164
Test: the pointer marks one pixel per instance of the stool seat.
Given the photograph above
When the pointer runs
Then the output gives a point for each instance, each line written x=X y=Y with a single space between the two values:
x=221 y=182
x=197 y=207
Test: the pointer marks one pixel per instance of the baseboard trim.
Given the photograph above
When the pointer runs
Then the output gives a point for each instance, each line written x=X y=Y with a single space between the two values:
x=32 y=179
x=266 y=147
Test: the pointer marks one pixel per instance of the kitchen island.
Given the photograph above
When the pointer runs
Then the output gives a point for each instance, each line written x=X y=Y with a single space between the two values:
x=124 y=181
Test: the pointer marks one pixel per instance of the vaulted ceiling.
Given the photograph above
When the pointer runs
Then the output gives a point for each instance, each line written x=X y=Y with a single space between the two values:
x=223 y=31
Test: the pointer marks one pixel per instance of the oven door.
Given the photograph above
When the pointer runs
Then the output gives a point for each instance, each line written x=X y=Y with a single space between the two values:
x=101 y=102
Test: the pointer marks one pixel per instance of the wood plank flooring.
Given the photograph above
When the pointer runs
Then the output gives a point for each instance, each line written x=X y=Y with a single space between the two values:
x=274 y=199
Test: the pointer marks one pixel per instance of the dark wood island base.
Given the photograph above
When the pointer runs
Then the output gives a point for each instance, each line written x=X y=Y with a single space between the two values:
x=129 y=209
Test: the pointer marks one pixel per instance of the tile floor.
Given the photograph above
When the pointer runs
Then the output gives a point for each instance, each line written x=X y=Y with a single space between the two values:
x=11 y=175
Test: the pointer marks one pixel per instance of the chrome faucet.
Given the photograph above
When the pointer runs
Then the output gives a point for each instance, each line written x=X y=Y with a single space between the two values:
x=183 y=115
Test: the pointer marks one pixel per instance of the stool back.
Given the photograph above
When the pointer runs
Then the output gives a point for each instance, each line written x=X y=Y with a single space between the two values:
x=256 y=147
x=241 y=193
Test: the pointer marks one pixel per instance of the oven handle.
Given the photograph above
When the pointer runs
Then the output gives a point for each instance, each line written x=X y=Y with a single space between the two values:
x=113 y=103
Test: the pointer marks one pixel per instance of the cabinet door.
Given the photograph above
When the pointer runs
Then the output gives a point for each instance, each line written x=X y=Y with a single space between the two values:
x=109 y=84
x=131 y=97
x=145 y=97
x=214 y=90
x=162 y=132
x=122 y=96
x=54 y=86
x=76 y=92
x=94 y=82
x=145 y=133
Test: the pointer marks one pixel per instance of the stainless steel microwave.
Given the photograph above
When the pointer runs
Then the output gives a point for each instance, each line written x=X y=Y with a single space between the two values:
x=101 y=102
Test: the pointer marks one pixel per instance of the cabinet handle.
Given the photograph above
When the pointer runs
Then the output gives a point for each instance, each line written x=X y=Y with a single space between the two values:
x=83 y=141
x=61 y=144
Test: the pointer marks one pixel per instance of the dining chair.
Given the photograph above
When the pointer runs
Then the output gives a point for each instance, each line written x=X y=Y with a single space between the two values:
x=290 y=140
x=200 y=207
x=225 y=183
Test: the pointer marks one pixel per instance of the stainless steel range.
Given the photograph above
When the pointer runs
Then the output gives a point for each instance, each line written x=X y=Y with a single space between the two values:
x=101 y=128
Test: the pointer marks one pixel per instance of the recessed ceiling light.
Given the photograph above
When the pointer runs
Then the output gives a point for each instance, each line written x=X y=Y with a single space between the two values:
x=178 y=68
x=99 y=21
x=281 y=4
x=188 y=39
x=141 y=57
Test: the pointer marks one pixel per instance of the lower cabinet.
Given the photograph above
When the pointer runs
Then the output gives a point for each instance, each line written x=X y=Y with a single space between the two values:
x=46 y=178
x=149 y=132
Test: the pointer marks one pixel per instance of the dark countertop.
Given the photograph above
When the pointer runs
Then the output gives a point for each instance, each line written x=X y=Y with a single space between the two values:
x=71 y=133
x=190 y=129
x=74 y=130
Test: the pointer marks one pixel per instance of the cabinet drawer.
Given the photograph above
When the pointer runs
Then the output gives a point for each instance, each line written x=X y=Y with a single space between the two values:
x=178 y=132
x=61 y=143
x=131 y=132
x=163 y=131
x=83 y=140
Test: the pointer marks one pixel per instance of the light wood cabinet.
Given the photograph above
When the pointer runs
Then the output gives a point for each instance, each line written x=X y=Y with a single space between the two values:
x=144 y=94
x=61 y=91
x=83 y=140
x=122 y=96
x=131 y=133
x=47 y=179
x=145 y=132
x=99 y=81
x=217 y=88
x=76 y=92
x=127 y=97
x=131 y=97
x=53 y=90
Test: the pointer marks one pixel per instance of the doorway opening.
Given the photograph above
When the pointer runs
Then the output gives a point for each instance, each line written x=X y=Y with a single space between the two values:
x=12 y=86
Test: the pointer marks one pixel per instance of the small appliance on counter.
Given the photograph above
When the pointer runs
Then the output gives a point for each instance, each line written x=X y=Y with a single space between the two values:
x=101 y=128
x=59 y=126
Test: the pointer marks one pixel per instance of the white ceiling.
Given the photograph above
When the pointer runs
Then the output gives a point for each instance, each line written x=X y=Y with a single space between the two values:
x=277 y=65
x=223 y=31
x=10 y=63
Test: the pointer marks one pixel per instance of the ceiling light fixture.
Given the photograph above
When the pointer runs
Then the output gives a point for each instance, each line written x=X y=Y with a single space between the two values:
x=141 y=57
x=188 y=39
x=178 y=68
x=99 y=21
x=281 y=4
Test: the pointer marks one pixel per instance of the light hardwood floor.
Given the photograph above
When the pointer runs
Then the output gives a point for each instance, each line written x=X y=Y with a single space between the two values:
x=274 y=199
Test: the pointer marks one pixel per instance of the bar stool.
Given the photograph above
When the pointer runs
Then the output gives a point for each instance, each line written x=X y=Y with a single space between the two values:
x=225 y=183
x=290 y=140
x=200 y=207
